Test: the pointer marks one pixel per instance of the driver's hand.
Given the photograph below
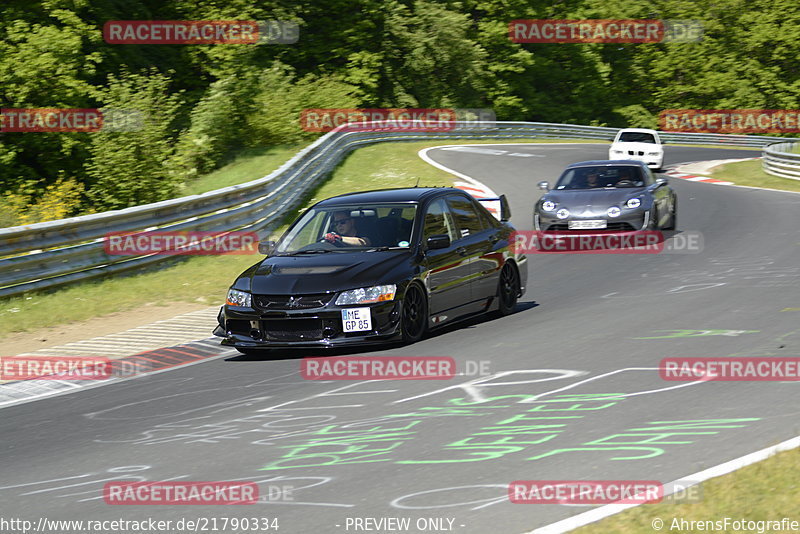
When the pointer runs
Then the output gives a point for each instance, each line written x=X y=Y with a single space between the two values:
x=332 y=237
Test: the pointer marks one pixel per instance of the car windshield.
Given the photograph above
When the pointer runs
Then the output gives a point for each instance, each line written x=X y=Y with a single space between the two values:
x=600 y=177
x=350 y=227
x=637 y=137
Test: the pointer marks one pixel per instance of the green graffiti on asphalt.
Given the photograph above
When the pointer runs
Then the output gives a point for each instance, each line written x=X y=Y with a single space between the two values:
x=699 y=333
x=537 y=423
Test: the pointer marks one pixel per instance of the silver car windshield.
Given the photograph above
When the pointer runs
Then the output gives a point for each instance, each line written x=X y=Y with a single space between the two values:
x=347 y=228
x=600 y=177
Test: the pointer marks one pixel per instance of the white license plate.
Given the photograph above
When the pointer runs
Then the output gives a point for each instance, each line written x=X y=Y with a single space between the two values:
x=356 y=319
x=587 y=225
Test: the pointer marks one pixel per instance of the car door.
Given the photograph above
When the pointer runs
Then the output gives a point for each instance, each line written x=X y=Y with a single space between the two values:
x=491 y=261
x=475 y=245
x=661 y=197
x=447 y=274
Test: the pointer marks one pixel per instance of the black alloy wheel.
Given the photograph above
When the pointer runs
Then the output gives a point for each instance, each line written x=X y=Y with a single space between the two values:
x=414 y=322
x=508 y=290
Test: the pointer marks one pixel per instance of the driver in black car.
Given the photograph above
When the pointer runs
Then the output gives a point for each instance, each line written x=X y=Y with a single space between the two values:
x=345 y=233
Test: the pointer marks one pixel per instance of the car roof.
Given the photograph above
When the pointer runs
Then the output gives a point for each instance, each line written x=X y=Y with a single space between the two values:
x=641 y=130
x=607 y=163
x=407 y=194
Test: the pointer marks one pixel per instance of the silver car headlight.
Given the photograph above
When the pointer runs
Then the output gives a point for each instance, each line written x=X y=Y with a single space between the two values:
x=615 y=151
x=366 y=295
x=633 y=203
x=238 y=298
x=548 y=205
x=613 y=211
x=654 y=153
x=563 y=213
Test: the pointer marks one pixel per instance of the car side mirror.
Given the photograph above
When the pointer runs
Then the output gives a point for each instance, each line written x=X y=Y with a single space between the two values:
x=266 y=247
x=438 y=241
x=661 y=180
x=544 y=186
x=505 y=209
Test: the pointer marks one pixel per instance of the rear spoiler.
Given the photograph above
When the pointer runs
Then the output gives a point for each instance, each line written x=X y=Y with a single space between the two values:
x=505 y=209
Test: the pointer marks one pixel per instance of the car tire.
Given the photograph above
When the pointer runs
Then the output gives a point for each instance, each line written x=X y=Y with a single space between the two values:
x=673 y=220
x=507 y=290
x=414 y=319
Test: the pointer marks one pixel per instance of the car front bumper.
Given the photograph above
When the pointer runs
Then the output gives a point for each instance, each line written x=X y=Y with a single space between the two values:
x=655 y=162
x=244 y=327
x=629 y=220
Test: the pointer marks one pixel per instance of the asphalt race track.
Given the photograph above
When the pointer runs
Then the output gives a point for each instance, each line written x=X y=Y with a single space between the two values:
x=573 y=391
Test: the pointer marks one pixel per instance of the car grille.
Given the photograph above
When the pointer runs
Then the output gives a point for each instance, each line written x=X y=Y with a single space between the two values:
x=291 y=302
x=620 y=227
x=300 y=329
x=613 y=226
x=636 y=153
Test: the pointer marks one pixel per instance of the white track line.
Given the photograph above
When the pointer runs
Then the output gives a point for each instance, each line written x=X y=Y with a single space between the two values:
x=602 y=512
x=470 y=180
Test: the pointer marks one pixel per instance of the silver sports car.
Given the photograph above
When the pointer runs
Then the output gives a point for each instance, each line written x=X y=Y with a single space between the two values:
x=612 y=195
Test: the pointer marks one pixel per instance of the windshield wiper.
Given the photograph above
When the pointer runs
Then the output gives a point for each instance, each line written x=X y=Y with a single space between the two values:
x=384 y=248
x=311 y=251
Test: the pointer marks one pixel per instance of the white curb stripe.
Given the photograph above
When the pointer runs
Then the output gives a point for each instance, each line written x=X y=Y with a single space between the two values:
x=602 y=512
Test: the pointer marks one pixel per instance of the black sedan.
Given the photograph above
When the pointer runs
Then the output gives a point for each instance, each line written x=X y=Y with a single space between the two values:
x=375 y=266
x=612 y=195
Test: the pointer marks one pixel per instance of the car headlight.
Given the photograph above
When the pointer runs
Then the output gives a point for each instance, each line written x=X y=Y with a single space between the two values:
x=654 y=153
x=563 y=213
x=238 y=298
x=613 y=211
x=633 y=203
x=548 y=205
x=617 y=151
x=365 y=295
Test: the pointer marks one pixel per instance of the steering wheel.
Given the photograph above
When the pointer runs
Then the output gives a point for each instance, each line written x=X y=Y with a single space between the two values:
x=625 y=183
x=338 y=243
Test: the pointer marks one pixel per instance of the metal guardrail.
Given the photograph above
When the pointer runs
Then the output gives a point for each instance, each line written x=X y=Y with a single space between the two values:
x=49 y=254
x=782 y=160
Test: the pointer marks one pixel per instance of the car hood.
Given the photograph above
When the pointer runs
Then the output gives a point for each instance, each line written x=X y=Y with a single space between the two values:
x=646 y=147
x=335 y=271
x=592 y=197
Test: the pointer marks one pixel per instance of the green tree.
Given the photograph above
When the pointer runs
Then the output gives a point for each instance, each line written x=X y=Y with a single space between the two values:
x=126 y=168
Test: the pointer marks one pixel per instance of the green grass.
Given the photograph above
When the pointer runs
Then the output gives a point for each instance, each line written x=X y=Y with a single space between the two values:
x=767 y=490
x=205 y=279
x=248 y=165
x=750 y=173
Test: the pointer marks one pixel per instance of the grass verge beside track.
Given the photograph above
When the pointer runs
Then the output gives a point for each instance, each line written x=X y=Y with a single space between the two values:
x=751 y=174
x=249 y=165
x=203 y=280
x=765 y=491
